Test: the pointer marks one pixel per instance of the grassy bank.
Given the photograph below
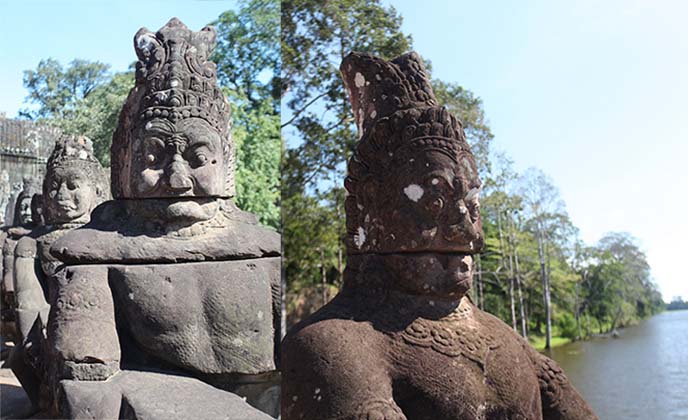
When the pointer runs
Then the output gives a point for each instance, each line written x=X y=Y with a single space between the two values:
x=538 y=342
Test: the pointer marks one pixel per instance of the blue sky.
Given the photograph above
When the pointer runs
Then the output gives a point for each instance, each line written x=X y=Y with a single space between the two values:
x=593 y=93
x=97 y=30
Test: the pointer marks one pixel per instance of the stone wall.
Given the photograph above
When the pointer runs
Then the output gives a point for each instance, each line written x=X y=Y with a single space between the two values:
x=24 y=150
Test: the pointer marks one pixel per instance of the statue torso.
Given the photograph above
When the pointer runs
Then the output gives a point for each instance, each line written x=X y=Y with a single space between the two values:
x=202 y=303
x=464 y=365
x=208 y=317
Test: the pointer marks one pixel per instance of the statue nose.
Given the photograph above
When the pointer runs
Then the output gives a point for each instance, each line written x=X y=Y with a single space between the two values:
x=179 y=179
x=62 y=192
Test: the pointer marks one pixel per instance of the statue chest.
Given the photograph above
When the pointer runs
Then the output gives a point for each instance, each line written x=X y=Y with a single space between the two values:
x=463 y=370
x=208 y=317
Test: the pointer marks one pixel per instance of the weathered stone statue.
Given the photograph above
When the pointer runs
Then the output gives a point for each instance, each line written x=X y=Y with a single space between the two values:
x=24 y=221
x=402 y=340
x=170 y=288
x=74 y=184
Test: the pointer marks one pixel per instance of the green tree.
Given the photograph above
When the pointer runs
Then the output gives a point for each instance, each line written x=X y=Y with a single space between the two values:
x=248 y=66
x=81 y=99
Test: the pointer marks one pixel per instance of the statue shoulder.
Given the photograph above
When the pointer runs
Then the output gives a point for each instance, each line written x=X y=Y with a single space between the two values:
x=112 y=236
x=26 y=247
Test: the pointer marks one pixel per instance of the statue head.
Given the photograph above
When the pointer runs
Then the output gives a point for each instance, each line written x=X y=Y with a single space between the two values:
x=22 y=208
x=412 y=181
x=173 y=138
x=74 y=183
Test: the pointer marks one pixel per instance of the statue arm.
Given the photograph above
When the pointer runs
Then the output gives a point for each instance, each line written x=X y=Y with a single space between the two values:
x=28 y=292
x=324 y=378
x=81 y=330
x=560 y=400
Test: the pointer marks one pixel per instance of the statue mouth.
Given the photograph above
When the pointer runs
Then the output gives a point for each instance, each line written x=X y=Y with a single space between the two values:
x=66 y=205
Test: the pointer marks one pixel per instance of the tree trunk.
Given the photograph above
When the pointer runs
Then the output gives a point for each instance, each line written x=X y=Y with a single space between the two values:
x=545 y=289
x=481 y=303
x=524 y=333
x=577 y=310
x=323 y=275
x=283 y=293
x=340 y=258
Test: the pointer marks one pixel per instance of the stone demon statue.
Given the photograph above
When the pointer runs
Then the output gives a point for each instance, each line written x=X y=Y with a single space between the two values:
x=27 y=215
x=402 y=340
x=170 y=288
x=74 y=185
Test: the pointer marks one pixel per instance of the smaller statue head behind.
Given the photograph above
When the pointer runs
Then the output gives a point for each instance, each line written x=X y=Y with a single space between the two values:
x=173 y=138
x=75 y=182
x=412 y=182
x=23 y=214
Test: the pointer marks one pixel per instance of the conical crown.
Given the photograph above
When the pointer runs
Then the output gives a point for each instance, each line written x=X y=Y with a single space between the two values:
x=398 y=117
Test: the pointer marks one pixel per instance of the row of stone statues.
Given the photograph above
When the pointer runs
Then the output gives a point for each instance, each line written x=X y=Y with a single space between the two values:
x=163 y=301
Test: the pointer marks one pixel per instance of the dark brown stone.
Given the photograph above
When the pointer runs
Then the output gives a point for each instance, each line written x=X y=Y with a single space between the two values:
x=402 y=340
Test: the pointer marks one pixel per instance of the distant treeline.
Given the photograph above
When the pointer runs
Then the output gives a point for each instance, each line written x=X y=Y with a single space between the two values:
x=676 y=304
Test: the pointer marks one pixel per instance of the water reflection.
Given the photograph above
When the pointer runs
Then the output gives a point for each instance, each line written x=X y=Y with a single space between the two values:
x=641 y=375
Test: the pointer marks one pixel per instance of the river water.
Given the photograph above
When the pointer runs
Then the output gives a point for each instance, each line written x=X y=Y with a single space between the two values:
x=643 y=374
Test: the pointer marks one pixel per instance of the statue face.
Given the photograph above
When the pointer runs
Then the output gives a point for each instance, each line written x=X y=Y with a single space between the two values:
x=25 y=211
x=432 y=274
x=183 y=159
x=434 y=206
x=71 y=195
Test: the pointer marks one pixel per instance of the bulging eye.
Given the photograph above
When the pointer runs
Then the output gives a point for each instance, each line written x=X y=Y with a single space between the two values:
x=201 y=159
x=150 y=159
x=437 y=204
x=473 y=203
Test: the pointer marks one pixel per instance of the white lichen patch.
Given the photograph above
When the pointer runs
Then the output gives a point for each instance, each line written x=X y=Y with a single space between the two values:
x=131 y=296
x=359 y=80
x=360 y=237
x=429 y=234
x=260 y=315
x=146 y=42
x=468 y=260
x=435 y=181
x=83 y=154
x=414 y=192
x=373 y=114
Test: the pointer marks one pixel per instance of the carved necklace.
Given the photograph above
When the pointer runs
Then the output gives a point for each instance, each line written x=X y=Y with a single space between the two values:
x=455 y=335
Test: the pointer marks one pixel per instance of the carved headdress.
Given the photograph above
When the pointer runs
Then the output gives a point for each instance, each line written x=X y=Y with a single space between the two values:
x=174 y=81
x=398 y=118
x=74 y=152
